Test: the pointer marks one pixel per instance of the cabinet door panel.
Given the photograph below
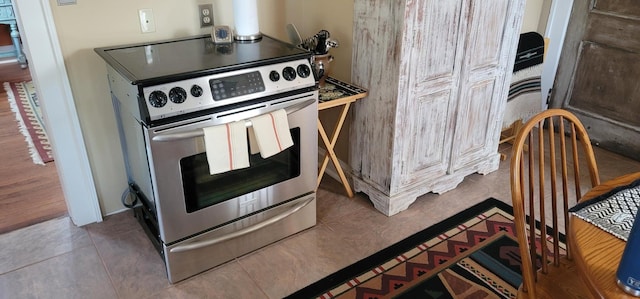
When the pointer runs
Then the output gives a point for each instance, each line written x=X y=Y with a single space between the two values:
x=434 y=50
x=481 y=100
x=474 y=124
x=485 y=33
x=427 y=155
x=431 y=68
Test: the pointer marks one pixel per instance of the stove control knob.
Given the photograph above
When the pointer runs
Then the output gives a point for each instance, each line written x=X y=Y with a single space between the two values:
x=304 y=71
x=274 y=76
x=177 y=95
x=289 y=73
x=196 y=90
x=157 y=99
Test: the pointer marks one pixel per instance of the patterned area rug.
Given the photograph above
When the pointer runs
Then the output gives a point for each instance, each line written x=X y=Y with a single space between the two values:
x=473 y=254
x=24 y=102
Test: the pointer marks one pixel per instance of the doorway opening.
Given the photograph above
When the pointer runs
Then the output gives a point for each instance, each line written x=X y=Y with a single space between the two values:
x=29 y=193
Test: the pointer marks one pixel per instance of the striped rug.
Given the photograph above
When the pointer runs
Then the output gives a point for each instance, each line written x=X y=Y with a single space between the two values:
x=24 y=102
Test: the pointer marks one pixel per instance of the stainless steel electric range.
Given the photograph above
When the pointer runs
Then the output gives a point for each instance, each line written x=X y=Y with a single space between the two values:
x=164 y=94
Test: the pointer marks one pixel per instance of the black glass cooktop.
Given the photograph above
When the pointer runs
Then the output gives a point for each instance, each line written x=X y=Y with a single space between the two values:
x=165 y=61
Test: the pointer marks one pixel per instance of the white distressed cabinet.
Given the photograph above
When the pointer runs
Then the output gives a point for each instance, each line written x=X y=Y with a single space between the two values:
x=438 y=75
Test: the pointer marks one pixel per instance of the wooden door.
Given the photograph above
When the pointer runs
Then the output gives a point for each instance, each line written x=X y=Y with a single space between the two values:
x=598 y=74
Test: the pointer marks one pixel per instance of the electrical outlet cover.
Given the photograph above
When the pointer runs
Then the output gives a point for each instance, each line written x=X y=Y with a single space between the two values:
x=147 y=22
x=205 y=13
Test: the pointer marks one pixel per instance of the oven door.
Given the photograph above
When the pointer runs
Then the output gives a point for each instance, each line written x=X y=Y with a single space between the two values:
x=190 y=201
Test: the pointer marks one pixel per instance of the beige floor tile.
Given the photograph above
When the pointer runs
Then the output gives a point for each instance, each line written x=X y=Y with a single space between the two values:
x=114 y=226
x=135 y=267
x=288 y=265
x=334 y=204
x=611 y=165
x=75 y=274
x=39 y=242
x=226 y=281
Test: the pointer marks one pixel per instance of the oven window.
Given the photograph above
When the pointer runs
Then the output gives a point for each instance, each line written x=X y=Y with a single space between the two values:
x=202 y=189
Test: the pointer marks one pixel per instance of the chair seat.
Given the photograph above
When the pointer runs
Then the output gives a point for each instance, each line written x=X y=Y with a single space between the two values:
x=562 y=281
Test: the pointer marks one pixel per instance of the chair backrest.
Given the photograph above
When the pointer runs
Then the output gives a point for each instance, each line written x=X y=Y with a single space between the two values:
x=548 y=155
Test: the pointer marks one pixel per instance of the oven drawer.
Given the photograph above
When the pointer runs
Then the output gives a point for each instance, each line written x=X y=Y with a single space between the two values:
x=203 y=252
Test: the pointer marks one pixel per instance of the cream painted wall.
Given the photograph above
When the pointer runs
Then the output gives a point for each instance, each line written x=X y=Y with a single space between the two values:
x=335 y=16
x=90 y=24
x=533 y=10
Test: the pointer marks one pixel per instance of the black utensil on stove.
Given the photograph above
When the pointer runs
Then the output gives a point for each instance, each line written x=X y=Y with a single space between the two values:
x=321 y=46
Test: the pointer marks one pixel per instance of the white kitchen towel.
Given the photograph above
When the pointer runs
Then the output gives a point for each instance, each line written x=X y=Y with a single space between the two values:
x=226 y=147
x=271 y=132
x=253 y=143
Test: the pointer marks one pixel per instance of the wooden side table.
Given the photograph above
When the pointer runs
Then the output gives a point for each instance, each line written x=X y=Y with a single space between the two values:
x=336 y=93
x=7 y=16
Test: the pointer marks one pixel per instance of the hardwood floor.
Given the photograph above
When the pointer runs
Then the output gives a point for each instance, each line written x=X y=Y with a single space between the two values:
x=29 y=193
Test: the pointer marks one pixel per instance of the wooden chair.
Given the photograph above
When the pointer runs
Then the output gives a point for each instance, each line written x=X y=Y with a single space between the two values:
x=548 y=154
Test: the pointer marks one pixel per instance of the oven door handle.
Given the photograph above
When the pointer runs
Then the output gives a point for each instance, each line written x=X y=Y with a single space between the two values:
x=244 y=231
x=199 y=133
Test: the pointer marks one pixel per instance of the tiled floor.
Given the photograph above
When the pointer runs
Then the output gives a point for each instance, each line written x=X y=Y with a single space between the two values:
x=114 y=259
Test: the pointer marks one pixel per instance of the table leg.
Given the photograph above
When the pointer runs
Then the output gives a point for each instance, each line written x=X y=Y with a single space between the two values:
x=330 y=154
x=327 y=144
x=15 y=37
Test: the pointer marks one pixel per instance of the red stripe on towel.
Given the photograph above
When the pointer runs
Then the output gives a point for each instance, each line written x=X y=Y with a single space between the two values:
x=273 y=125
x=229 y=147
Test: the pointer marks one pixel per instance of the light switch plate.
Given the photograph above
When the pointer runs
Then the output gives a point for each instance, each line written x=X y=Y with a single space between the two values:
x=147 y=22
x=66 y=2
